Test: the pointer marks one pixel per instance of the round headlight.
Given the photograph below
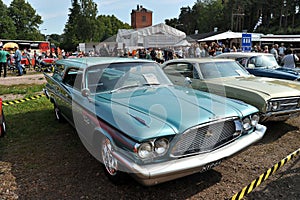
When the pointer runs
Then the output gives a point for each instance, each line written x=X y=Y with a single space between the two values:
x=254 y=120
x=274 y=105
x=145 y=150
x=161 y=146
x=246 y=123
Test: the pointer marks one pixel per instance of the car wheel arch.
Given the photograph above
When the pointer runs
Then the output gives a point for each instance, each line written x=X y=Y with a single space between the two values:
x=98 y=136
x=101 y=137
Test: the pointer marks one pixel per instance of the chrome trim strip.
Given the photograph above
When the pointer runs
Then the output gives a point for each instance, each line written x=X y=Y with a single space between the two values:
x=280 y=115
x=284 y=98
x=211 y=122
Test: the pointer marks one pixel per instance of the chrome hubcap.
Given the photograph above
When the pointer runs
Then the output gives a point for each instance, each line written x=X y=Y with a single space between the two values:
x=56 y=110
x=4 y=127
x=109 y=161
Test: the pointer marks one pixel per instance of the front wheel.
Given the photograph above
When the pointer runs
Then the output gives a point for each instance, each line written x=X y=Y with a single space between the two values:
x=110 y=163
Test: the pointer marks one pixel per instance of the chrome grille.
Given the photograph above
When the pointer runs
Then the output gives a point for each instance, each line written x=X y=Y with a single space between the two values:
x=288 y=103
x=205 y=138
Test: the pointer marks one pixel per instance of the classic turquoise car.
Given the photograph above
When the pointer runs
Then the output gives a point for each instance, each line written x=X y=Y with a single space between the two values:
x=135 y=121
x=276 y=99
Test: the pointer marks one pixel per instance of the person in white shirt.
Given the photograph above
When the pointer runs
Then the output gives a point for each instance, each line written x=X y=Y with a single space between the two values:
x=274 y=51
x=180 y=53
x=197 y=51
x=281 y=50
x=289 y=60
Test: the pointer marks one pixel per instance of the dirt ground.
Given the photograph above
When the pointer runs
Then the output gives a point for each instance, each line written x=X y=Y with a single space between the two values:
x=62 y=168
x=25 y=79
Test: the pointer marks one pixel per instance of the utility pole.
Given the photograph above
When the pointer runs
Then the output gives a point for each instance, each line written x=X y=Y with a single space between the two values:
x=238 y=21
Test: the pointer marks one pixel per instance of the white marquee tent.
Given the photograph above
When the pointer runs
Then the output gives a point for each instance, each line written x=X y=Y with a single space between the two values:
x=182 y=43
x=157 y=36
x=229 y=35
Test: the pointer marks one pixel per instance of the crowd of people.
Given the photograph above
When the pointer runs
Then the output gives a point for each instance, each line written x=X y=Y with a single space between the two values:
x=17 y=60
x=285 y=56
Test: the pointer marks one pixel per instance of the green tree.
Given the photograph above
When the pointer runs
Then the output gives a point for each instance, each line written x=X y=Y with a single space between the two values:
x=70 y=36
x=87 y=23
x=81 y=25
x=7 y=27
x=279 y=17
x=55 y=39
x=84 y=25
x=109 y=26
x=26 y=20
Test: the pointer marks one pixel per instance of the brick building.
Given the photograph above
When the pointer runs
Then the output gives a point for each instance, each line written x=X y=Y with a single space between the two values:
x=141 y=17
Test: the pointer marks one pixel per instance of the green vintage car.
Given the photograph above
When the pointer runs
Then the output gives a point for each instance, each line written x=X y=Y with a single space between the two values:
x=276 y=99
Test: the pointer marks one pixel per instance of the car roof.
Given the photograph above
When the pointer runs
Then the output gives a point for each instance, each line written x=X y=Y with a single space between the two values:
x=85 y=62
x=198 y=60
x=243 y=54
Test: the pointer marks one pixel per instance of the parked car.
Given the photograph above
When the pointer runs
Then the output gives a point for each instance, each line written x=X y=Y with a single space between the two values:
x=135 y=121
x=262 y=64
x=2 y=121
x=276 y=99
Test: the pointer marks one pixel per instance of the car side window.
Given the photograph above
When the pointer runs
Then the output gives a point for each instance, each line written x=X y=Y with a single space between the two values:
x=73 y=78
x=101 y=80
x=209 y=70
x=242 y=61
x=58 y=72
x=181 y=69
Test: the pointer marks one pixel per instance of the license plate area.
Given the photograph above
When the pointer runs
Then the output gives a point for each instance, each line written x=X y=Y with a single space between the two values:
x=210 y=166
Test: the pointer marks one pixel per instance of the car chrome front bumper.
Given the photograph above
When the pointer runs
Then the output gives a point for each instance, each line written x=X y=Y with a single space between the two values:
x=151 y=174
x=279 y=116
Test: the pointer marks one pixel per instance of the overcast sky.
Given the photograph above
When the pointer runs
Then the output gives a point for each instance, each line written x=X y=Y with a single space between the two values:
x=55 y=12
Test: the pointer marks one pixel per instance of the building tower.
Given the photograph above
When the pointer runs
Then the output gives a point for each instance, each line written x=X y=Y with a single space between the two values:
x=141 y=17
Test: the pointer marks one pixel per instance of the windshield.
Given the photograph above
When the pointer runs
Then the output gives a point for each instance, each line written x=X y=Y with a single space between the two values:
x=221 y=69
x=121 y=76
x=264 y=61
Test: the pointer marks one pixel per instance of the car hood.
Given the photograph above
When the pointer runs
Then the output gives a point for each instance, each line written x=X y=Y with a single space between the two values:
x=158 y=111
x=274 y=73
x=294 y=71
x=266 y=87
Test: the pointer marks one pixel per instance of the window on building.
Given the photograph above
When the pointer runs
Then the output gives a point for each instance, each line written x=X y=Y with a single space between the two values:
x=144 y=18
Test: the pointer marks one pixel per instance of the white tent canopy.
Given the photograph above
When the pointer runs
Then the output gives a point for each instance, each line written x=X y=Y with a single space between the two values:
x=183 y=43
x=229 y=35
x=160 y=35
x=280 y=38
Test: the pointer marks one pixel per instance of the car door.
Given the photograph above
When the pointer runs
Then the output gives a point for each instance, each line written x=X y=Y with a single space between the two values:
x=70 y=87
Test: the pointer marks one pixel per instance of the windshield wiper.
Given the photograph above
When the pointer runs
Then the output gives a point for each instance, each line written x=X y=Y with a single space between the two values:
x=124 y=87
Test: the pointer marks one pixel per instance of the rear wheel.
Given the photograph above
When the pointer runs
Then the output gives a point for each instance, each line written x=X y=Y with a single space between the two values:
x=58 y=115
x=2 y=126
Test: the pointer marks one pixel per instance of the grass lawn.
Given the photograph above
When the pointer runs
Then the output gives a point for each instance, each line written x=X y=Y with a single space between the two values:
x=29 y=121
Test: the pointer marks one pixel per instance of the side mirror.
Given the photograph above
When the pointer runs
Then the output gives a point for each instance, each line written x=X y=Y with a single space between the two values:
x=187 y=81
x=251 y=66
x=85 y=92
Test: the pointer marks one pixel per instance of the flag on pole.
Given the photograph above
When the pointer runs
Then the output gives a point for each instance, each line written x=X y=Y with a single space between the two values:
x=259 y=22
